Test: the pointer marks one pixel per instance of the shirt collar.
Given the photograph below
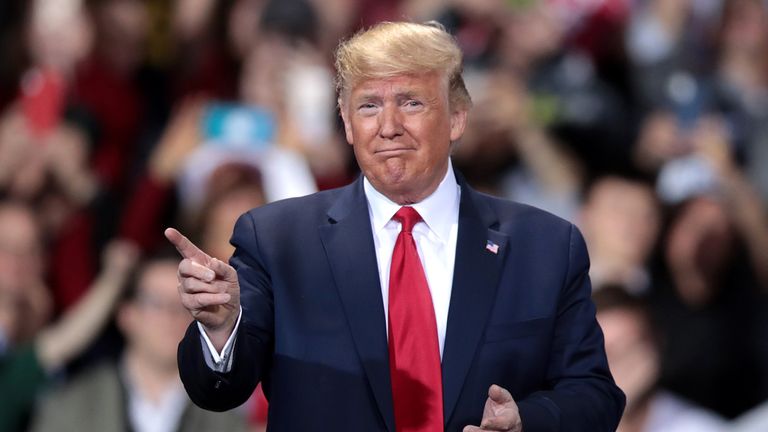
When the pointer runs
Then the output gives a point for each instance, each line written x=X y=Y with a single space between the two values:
x=439 y=210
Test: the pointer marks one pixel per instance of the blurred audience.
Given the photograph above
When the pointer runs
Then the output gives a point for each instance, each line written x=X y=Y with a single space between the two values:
x=22 y=273
x=142 y=391
x=620 y=221
x=31 y=349
x=633 y=354
x=707 y=301
x=742 y=82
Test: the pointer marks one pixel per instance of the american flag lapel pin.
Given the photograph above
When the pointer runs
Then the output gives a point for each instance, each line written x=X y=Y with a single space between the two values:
x=492 y=247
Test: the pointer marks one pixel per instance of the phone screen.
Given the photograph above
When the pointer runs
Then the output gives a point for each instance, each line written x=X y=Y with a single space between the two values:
x=685 y=177
x=240 y=126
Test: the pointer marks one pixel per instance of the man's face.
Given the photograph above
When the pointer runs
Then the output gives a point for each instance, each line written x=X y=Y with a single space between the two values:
x=632 y=356
x=401 y=129
x=21 y=262
x=621 y=220
x=155 y=321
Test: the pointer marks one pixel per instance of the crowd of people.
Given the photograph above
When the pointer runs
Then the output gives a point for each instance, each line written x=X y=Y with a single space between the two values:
x=644 y=122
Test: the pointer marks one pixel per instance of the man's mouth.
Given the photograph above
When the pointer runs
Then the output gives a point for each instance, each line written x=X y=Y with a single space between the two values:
x=393 y=151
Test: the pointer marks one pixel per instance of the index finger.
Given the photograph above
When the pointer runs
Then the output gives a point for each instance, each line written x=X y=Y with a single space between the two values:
x=186 y=248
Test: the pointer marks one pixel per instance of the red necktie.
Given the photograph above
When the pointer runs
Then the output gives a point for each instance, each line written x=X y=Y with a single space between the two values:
x=414 y=353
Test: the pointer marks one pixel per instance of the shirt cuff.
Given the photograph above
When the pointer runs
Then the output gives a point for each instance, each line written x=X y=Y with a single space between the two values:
x=219 y=362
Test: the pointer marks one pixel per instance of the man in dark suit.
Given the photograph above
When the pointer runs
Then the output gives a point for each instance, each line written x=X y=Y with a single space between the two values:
x=405 y=301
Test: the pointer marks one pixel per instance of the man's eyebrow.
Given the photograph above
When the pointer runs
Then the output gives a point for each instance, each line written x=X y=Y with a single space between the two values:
x=399 y=94
x=422 y=97
x=367 y=96
x=406 y=94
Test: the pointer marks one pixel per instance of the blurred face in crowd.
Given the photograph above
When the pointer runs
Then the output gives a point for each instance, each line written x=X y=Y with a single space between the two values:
x=154 y=321
x=745 y=27
x=21 y=261
x=530 y=34
x=222 y=217
x=698 y=248
x=401 y=129
x=123 y=26
x=263 y=69
x=58 y=33
x=632 y=356
x=621 y=219
x=26 y=303
x=244 y=20
x=190 y=17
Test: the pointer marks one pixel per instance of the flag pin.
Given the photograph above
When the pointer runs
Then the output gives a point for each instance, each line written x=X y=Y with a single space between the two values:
x=492 y=247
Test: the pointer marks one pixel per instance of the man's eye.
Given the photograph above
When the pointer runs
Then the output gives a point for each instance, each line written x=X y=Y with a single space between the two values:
x=367 y=109
x=413 y=105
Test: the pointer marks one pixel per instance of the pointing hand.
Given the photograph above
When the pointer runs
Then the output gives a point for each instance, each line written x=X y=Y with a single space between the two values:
x=208 y=288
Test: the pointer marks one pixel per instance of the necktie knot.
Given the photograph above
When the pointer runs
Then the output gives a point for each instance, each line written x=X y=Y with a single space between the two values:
x=408 y=217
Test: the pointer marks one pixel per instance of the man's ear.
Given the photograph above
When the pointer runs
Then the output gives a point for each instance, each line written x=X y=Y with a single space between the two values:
x=458 y=123
x=347 y=124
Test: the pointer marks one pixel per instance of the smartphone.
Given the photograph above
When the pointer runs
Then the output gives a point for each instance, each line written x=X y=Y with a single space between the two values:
x=42 y=100
x=688 y=99
x=238 y=126
x=685 y=177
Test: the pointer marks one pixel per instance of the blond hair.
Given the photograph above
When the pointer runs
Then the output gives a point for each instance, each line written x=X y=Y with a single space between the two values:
x=401 y=48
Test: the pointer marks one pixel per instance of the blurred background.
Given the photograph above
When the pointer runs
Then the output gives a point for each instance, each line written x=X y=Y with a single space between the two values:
x=644 y=122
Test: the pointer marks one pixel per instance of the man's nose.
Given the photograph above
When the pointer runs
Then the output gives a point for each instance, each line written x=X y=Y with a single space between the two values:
x=391 y=125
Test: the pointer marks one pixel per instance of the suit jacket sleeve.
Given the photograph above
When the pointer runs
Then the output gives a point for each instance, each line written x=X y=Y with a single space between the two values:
x=581 y=394
x=253 y=348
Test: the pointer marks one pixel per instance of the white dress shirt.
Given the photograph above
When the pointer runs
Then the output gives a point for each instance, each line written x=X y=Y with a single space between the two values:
x=435 y=239
x=162 y=415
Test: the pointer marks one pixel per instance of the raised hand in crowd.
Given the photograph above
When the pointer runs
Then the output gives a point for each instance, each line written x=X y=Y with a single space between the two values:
x=180 y=138
x=61 y=342
x=27 y=160
x=741 y=200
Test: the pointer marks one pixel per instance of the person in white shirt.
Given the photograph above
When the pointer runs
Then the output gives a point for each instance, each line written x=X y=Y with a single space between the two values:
x=142 y=391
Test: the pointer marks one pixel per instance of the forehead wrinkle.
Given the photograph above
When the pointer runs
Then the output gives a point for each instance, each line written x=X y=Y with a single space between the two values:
x=403 y=86
x=399 y=91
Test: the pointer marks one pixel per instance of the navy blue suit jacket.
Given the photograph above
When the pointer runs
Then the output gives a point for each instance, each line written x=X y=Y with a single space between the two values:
x=313 y=328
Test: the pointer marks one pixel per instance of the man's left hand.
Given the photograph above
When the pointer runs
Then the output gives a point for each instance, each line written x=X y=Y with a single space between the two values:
x=500 y=413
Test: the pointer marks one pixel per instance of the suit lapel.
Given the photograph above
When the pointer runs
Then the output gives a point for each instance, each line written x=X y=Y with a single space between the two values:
x=348 y=243
x=475 y=280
